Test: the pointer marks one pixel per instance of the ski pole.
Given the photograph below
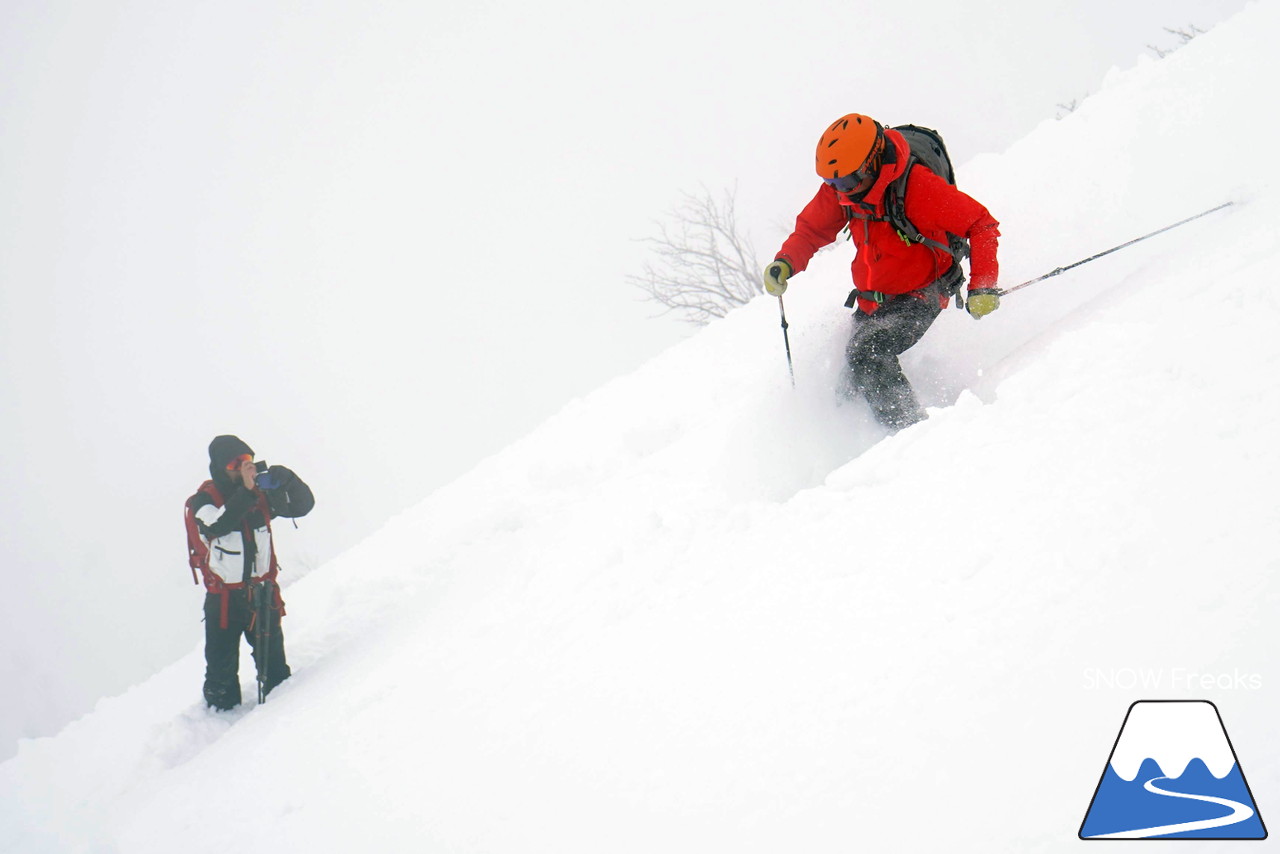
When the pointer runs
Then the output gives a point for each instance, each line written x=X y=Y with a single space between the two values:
x=262 y=616
x=1053 y=273
x=786 y=340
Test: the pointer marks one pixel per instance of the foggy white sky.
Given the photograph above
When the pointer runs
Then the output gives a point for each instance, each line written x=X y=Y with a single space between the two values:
x=379 y=240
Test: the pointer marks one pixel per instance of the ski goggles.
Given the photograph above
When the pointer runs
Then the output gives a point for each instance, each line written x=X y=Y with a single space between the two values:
x=239 y=461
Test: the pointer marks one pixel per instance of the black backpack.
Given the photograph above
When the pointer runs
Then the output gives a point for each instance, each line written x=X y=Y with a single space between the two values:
x=928 y=148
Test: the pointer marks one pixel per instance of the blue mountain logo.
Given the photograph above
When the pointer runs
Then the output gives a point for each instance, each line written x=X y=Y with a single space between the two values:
x=1173 y=774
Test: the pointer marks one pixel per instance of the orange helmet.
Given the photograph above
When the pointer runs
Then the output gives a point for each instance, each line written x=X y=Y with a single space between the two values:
x=851 y=143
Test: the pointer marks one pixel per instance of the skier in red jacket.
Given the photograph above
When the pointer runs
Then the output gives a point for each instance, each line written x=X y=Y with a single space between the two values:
x=900 y=286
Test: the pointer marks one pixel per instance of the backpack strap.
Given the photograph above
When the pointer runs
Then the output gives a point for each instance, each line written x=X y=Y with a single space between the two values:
x=895 y=211
x=273 y=570
x=895 y=207
x=937 y=290
x=198 y=554
x=197 y=548
x=264 y=506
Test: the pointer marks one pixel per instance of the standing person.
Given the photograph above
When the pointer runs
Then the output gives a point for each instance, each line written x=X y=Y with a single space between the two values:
x=901 y=278
x=229 y=541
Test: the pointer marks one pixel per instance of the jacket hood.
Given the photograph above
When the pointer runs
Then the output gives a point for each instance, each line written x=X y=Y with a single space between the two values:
x=222 y=450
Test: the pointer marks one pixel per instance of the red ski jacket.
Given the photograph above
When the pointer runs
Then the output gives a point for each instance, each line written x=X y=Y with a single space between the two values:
x=885 y=262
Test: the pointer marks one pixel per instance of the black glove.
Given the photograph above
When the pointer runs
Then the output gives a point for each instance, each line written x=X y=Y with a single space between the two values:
x=275 y=478
x=291 y=498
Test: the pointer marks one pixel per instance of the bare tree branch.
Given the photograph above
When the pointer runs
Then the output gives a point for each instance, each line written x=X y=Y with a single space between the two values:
x=703 y=265
x=1186 y=35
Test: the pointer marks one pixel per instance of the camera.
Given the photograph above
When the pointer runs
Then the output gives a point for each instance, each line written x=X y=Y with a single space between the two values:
x=263 y=478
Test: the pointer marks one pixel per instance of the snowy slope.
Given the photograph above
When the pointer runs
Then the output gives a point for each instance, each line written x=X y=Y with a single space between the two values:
x=699 y=610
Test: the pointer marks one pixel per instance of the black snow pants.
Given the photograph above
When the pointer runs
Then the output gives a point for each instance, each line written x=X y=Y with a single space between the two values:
x=877 y=341
x=222 y=649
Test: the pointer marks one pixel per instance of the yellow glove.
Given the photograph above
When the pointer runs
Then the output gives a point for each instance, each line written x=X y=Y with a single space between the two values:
x=983 y=301
x=775 y=278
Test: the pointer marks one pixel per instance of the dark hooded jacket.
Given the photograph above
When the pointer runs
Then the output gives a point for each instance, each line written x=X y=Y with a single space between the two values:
x=234 y=521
